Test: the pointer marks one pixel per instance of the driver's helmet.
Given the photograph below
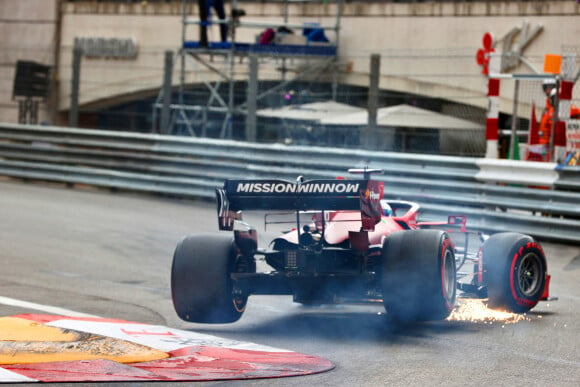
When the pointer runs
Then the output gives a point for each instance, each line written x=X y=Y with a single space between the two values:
x=548 y=83
x=387 y=210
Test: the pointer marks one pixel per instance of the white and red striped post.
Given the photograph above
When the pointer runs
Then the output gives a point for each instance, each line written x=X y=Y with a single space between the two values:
x=492 y=121
x=564 y=106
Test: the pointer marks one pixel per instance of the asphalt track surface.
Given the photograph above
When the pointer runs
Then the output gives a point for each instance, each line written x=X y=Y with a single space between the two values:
x=109 y=254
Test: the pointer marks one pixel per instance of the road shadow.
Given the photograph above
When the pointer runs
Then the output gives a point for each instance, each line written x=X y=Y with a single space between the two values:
x=574 y=264
x=343 y=326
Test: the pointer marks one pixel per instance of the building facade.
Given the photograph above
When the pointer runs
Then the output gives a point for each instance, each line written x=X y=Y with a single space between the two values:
x=427 y=49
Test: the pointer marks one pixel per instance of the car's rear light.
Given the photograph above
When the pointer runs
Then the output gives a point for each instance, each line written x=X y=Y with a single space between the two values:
x=291 y=259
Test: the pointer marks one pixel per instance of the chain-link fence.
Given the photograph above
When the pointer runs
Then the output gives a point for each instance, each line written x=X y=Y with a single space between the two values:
x=532 y=113
x=311 y=109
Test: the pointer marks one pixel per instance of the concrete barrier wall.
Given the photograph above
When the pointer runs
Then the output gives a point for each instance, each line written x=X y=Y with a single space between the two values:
x=427 y=48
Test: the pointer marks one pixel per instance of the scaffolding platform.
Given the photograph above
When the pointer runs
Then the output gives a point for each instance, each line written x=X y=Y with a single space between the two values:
x=270 y=50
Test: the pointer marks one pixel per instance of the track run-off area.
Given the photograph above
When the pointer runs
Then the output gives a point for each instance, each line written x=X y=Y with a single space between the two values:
x=74 y=260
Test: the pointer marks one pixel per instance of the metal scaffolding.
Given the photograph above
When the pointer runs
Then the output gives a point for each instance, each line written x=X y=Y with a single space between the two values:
x=219 y=60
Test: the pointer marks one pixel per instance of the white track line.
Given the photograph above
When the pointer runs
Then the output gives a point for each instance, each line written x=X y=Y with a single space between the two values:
x=43 y=308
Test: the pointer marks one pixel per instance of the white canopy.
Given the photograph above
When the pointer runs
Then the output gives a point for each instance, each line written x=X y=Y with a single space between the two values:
x=315 y=111
x=402 y=116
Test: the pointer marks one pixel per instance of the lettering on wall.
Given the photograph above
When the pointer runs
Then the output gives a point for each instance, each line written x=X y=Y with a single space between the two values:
x=573 y=135
x=514 y=44
x=115 y=48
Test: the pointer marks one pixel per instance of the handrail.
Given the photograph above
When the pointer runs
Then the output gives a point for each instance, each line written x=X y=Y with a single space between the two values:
x=193 y=168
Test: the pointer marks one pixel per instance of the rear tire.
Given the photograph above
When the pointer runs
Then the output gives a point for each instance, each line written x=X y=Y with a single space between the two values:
x=201 y=287
x=419 y=276
x=515 y=271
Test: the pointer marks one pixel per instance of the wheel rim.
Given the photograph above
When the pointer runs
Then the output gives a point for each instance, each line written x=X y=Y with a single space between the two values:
x=529 y=274
x=239 y=298
x=449 y=275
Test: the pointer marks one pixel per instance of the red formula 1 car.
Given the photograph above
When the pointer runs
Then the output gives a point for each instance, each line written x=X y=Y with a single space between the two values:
x=347 y=244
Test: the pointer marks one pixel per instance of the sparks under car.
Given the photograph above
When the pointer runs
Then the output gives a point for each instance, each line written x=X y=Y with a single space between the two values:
x=345 y=243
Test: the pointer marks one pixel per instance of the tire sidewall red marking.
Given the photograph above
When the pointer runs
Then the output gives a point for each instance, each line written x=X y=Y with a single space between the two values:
x=516 y=261
x=446 y=243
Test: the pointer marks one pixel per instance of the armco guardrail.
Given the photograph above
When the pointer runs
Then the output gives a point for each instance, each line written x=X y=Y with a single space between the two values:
x=569 y=178
x=192 y=167
x=516 y=172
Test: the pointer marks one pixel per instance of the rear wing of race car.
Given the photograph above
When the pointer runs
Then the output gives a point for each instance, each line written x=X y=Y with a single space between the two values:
x=280 y=195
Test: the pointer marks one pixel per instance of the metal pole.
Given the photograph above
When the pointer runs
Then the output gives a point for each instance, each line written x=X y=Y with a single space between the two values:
x=181 y=52
x=555 y=114
x=513 y=143
x=73 y=114
x=228 y=124
x=373 y=102
x=252 y=99
x=165 y=111
x=339 y=6
x=55 y=73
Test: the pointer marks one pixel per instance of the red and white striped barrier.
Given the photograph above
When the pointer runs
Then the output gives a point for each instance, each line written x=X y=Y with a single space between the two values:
x=492 y=121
